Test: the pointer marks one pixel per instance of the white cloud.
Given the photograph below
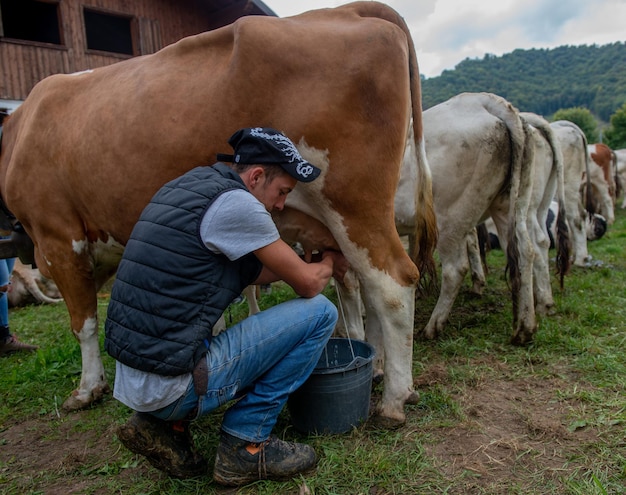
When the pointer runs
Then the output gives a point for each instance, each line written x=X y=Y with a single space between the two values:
x=445 y=32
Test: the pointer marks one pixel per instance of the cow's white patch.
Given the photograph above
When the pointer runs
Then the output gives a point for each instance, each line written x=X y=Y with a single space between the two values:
x=79 y=246
x=92 y=377
x=107 y=253
x=104 y=255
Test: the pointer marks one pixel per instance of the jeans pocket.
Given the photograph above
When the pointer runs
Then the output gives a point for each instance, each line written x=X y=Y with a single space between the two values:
x=216 y=397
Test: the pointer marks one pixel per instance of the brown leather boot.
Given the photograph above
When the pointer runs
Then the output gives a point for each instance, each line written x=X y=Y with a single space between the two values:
x=11 y=345
x=239 y=462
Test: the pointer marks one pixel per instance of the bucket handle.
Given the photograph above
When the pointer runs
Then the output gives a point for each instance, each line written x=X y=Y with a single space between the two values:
x=343 y=316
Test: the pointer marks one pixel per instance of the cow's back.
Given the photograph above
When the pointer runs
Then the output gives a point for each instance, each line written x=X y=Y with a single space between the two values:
x=100 y=143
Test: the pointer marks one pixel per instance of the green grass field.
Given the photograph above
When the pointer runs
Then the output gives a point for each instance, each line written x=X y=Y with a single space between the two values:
x=548 y=418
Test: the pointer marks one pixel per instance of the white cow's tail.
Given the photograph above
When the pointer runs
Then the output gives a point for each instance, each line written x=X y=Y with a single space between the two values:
x=522 y=155
x=563 y=241
x=616 y=179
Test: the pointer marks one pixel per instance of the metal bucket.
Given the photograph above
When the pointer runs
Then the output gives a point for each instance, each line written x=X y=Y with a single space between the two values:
x=336 y=397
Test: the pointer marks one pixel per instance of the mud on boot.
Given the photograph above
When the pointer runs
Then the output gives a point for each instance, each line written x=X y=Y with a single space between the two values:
x=238 y=462
x=167 y=445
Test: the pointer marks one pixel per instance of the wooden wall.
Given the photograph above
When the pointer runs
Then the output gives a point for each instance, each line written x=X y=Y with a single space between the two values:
x=156 y=23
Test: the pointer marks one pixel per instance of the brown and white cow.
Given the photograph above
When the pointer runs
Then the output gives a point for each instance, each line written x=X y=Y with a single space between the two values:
x=604 y=158
x=85 y=152
x=480 y=154
x=29 y=286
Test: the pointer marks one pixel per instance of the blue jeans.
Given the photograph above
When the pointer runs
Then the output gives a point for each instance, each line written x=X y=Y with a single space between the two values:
x=6 y=267
x=260 y=361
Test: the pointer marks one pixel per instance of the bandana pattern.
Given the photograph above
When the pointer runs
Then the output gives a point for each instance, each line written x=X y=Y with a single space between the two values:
x=287 y=147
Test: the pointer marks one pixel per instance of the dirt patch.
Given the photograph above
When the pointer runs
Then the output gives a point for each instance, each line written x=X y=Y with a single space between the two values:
x=508 y=429
x=511 y=429
x=53 y=445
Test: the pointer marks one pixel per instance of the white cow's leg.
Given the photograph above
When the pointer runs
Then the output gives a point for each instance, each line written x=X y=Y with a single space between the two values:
x=576 y=224
x=542 y=289
x=389 y=326
x=250 y=294
x=525 y=320
x=475 y=263
x=454 y=267
x=350 y=307
x=93 y=384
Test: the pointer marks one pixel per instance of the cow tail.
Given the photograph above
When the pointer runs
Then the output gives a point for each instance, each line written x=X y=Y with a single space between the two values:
x=520 y=180
x=426 y=232
x=618 y=182
x=483 y=245
x=563 y=239
x=523 y=152
x=588 y=193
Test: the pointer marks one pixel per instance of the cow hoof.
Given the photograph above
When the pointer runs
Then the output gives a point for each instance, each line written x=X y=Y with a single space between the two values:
x=414 y=398
x=429 y=333
x=385 y=422
x=377 y=378
x=76 y=401
x=522 y=338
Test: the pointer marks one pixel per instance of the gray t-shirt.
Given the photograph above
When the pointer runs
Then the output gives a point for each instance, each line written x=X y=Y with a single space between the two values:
x=235 y=224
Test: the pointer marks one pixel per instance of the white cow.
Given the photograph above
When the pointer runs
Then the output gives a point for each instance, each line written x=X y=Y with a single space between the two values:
x=548 y=184
x=481 y=160
x=595 y=227
x=584 y=224
x=620 y=156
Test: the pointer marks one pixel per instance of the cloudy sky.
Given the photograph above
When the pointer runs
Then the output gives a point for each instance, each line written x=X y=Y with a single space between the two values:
x=445 y=32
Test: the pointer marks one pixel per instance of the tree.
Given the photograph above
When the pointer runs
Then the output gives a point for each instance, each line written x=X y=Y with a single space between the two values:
x=583 y=118
x=615 y=135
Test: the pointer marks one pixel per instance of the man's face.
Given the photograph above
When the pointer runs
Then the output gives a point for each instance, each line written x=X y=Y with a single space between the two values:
x=273 y=193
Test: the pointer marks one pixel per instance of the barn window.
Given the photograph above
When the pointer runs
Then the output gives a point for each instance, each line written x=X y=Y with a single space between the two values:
x=31 y=20
x=108 y=33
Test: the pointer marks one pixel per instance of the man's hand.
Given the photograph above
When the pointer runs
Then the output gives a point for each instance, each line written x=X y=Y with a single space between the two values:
x=340 y=263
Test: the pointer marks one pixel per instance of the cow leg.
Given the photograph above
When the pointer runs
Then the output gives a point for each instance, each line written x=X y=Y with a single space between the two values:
x=542 y=290
x=576 y=224
x=390 y=331
x=454 y=267
x=93 y=385
x=477 y=271
x=350 y=307
x=520 y=260
x=74 y=277
x=250 y=294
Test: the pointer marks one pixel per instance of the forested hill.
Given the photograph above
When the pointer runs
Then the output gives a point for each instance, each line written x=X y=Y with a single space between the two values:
x=541 y=80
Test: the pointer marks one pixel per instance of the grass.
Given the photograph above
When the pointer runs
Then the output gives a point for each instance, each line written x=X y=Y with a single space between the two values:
x=492 y=418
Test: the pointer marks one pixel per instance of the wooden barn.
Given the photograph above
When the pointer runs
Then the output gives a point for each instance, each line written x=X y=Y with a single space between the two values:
x=43 y=37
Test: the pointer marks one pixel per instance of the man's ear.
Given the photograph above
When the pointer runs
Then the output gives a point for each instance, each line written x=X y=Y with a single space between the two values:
x=256 y=175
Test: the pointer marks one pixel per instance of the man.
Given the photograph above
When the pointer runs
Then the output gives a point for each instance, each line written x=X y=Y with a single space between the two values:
x=203 y=238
